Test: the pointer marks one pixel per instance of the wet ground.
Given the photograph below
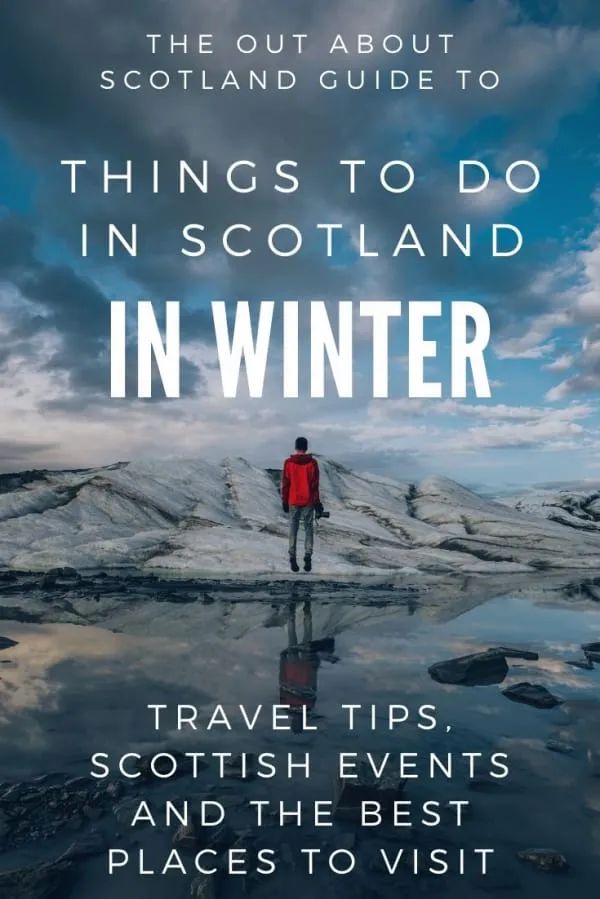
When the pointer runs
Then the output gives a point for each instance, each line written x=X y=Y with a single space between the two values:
x=68 y=690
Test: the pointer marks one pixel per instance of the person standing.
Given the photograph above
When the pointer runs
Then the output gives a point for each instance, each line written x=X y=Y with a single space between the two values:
x=300 y=499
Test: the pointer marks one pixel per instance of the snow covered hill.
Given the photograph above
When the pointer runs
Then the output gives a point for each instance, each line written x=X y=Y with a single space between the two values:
x=576 y=505
x=194 y=517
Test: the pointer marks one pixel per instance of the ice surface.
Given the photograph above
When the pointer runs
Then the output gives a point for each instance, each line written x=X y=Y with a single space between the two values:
x=193 y=517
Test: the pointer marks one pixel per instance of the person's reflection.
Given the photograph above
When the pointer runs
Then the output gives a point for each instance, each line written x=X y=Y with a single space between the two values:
x=298 y=666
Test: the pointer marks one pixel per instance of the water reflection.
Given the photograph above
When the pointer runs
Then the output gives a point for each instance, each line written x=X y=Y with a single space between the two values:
x=72 y=690
x=298 y=666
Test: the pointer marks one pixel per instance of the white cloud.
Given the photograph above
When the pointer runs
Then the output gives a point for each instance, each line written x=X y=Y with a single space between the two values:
x=533 y=343
x=553 y=431
x=401 y=424
x=561 y=363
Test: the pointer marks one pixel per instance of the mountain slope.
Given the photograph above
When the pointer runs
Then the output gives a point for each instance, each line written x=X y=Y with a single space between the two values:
x=226 y=519
x=576 y=506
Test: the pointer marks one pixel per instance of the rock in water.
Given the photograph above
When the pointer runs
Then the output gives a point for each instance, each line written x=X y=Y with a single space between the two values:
x=187 y=837
x=350 y=793
x=7 y=643
x=532 y=694
x=584 y=664
x=49 y=881
x=547 y=860
x=125 y=811
x=240 y=767
x=592 y=651
x=560 y=746
x=478 y=669
x=509 y=653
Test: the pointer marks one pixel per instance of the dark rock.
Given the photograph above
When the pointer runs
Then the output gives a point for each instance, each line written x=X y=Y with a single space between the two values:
x=510 y=653
x=547 y=860
x=52 y=779
x=351 y=792
x=92 y=812
x=8 y=577
x=449 y=810
x=74 y=823
x=65 y=571
x=48 y=582
x=46 y=806
x=188 y=836
x=7 y=643
x=115 y=789
x=592 y=651
x=237 y=768
x=560 y=746
x=163 y=766
x=478 y=669
x=78 y=783
x=15 y=613
x=245 y=839
x=50 y=881
x=584 y=664
x=125 y=811
x=532 y=694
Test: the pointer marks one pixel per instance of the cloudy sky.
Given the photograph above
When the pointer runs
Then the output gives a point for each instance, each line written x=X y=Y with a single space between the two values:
x=542 y=422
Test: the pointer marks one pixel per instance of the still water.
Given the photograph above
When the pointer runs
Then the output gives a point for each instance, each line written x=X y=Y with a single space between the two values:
x=68 y=691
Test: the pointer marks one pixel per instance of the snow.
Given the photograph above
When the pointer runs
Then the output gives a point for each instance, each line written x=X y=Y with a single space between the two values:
x=195 y=518
x=576 y=506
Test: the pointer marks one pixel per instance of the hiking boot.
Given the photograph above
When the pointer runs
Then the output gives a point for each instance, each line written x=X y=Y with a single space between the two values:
x=293 y=564
x=308 y=563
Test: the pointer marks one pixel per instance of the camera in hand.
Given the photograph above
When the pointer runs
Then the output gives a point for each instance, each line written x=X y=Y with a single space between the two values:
x=321 y=513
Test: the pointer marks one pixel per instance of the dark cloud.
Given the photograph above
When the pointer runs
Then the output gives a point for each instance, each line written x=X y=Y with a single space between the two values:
x=69 y=310
x=51 y=108
x=55 y=109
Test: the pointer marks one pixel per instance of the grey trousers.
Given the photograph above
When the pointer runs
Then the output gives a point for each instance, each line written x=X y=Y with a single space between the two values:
x=306 y=515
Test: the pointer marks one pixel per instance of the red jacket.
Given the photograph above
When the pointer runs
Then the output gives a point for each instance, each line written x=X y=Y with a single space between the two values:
x=298 y=679
x=300 y=480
